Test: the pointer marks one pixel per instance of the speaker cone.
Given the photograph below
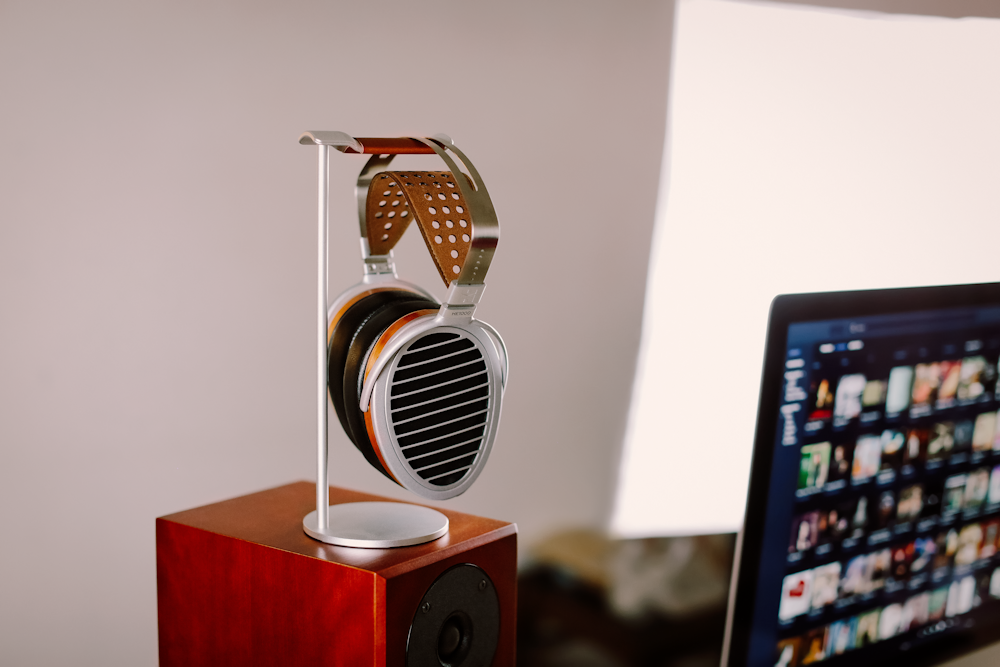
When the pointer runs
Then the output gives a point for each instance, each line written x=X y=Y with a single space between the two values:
x=457 y=623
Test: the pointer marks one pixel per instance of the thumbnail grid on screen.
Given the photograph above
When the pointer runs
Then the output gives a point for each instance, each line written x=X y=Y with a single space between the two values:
x=896 y=526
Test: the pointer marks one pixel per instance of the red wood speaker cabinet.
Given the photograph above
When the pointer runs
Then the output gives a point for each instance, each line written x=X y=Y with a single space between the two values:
x=239 y=583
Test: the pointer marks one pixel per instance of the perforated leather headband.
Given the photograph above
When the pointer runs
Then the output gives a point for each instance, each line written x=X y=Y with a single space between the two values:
x=461 y=239
x=442 y=214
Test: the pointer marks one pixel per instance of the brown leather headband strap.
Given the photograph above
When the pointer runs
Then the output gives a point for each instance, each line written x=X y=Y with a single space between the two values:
x=462 y=260
x=345 y=143
x=395 y=146
x=437 y=203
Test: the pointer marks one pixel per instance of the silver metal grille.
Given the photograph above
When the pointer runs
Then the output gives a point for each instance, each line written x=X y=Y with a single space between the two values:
x=439 y=406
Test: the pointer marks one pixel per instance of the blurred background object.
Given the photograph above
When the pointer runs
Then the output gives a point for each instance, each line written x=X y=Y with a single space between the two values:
x=586 y=599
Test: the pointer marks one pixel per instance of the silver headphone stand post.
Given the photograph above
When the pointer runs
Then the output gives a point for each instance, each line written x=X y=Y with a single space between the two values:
x=371 y=525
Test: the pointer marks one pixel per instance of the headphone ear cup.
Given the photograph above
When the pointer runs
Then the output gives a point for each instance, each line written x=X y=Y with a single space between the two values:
x=341 y=338
x=351 y=343
x=435 y=407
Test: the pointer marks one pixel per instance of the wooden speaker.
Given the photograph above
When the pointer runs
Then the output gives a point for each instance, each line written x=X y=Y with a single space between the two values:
x=239 y=583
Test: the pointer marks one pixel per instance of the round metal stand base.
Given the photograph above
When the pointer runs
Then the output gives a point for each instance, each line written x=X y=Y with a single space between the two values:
x=376 y=525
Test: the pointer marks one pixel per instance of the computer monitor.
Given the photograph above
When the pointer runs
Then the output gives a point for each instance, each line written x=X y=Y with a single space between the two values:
x=872 y=530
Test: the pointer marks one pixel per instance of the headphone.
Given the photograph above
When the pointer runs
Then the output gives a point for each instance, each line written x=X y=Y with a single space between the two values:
x=418 y=384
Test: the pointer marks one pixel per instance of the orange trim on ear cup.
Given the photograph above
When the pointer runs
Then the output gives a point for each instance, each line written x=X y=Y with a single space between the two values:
x=370 y=427
x=380 y=344
x=383 y=340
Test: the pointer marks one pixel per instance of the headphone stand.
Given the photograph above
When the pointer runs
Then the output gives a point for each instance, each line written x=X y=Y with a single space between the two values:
x=371 y=525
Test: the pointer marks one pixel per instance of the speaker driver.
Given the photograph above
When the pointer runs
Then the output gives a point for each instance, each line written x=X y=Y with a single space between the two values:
x=457 y=623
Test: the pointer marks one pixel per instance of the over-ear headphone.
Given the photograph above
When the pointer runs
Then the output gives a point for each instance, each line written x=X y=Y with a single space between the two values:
x=417 y=384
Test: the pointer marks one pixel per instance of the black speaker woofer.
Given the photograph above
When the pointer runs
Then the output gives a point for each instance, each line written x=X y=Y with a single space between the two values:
x=457 y=623
x=455 y=639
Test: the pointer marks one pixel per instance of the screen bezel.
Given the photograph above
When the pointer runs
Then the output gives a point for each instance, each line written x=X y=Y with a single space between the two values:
x=785 y=310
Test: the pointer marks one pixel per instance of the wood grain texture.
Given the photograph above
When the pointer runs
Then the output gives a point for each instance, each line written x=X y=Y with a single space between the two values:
x=239 y=583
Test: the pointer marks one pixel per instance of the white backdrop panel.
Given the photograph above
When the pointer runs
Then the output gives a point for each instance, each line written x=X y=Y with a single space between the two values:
x=808 y=150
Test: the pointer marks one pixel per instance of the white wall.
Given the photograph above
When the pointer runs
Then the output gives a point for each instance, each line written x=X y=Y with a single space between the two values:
x=156 y=264
x=810 y=150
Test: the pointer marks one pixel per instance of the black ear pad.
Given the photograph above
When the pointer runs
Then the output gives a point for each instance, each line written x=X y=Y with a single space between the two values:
x=352 y=341
x=357 y=358
x=343 y=336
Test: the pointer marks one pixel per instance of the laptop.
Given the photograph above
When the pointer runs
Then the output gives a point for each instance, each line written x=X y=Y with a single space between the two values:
x=872 y=529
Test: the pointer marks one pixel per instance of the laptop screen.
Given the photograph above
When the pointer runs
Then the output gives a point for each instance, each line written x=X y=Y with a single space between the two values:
x=880 y=510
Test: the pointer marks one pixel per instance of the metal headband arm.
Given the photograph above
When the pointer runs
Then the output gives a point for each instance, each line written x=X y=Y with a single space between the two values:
x=374 y=264
x=485 y=229
x=482 y=216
